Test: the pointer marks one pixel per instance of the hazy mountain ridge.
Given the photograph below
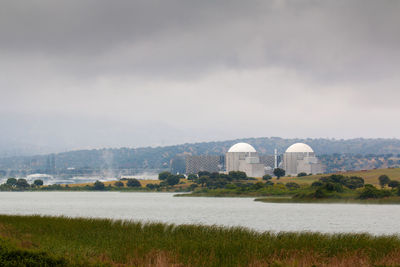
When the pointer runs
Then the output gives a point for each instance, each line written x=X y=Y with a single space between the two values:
x=156 y=158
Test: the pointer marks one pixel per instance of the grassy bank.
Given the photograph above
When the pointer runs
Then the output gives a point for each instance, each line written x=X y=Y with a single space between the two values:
x=231 y=193
x=370 y=176
x=327 y=189
x=116 y=243
x=389 y=200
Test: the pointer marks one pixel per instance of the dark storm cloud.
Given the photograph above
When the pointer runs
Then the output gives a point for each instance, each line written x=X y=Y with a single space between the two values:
x=81 y=27
x=349 y=38
x=183 y=65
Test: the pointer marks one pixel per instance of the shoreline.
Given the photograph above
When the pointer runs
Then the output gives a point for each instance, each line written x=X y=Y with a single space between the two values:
x=370 y=201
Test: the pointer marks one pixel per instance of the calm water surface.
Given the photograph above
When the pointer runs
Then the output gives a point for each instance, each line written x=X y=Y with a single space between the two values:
x=163 y=207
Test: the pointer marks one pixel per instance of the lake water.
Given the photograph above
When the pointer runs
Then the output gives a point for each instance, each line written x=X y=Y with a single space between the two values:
x=163 y=207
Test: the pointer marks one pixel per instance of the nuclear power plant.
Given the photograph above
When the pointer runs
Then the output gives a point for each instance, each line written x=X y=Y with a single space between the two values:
x=243 y=157
x=298 y=158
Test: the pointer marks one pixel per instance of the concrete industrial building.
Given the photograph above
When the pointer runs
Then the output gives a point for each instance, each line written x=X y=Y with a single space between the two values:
x=299 y=158
x=270 y=162
x=195 y=164
x=243 y=157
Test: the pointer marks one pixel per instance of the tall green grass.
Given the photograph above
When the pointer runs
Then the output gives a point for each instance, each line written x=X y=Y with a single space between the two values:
x=95 y=241
x=13 y=256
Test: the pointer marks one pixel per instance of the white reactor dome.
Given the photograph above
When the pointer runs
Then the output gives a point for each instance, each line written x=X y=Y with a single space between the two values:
x=242 y=147
x=299 y=148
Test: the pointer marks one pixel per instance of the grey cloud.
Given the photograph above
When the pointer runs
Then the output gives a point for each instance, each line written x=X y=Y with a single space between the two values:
x=195 y=70
x=327 y=39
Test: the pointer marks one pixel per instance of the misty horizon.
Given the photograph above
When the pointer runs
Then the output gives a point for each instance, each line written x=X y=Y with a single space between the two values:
x=41 y=151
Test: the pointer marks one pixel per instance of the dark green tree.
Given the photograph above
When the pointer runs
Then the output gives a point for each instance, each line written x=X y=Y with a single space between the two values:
x=38 y=182
x=172 y=180
x=393 y=184
x=214 y=175
x=22 y=183
x=203 y=173
x=301 y=174
x=11 y=181
x=133 y=183
x=383 y=180
x=98 y=185
x=353 y=182
x=238 y=175
x=278 y=172
x=163 y=175
x=203 y=180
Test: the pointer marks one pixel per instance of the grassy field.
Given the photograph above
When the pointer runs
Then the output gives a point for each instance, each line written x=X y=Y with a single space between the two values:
x=85 y=242
x=370 y=176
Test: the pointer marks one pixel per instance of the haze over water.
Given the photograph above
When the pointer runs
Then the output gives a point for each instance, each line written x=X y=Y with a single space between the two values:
x=163 y=207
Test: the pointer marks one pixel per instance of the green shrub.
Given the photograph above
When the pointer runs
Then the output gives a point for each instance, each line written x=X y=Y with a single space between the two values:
x=316 y=184
x=119 y=184
x=152 y=186
x=292 y=185
x=349 y=182
x=192 y=177
x=269 y=183
x=257 y=186
x=370 y=191
x=267 y=177
x=319 y=193
x=133 y=183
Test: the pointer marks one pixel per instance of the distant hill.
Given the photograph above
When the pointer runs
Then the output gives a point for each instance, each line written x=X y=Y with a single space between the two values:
x=158 y=158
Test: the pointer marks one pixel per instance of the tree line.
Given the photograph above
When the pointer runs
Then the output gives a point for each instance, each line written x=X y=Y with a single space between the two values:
x=19 y=184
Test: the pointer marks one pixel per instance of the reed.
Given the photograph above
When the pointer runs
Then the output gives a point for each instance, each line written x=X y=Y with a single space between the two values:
x=102 y=241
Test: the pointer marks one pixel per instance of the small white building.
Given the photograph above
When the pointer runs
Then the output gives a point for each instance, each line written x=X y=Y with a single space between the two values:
x=299 y=158
x=243 y=157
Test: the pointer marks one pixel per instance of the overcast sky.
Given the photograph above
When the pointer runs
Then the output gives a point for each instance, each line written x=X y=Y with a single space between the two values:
x=99 y=73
